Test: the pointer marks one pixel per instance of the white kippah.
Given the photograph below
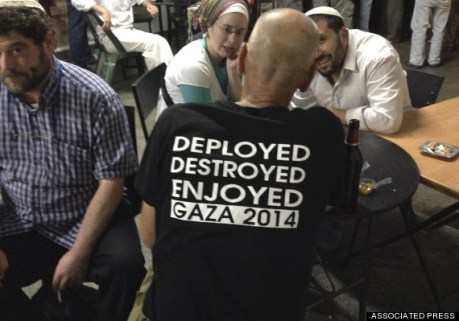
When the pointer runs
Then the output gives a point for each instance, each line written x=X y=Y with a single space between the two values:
x=21 y=3
x=238 y=8
x=324 y=10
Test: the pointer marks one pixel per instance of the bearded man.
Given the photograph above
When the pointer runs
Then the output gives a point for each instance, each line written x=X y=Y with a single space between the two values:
x=65 y=149
x=359 y=76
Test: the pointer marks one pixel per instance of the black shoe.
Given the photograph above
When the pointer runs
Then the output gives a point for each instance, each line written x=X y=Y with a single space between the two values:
x=435 y=65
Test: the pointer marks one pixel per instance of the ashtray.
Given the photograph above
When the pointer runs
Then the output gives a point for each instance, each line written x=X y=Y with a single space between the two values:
x=439 y=149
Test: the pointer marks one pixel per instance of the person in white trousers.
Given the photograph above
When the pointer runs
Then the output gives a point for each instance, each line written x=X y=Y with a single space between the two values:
x=438 y=10
x=365 y=14
x=119 y=17
x=345 y=7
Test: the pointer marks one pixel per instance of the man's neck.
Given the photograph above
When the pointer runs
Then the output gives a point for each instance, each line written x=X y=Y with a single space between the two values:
x=262 y=102
x=333 y=78
x=33 y=96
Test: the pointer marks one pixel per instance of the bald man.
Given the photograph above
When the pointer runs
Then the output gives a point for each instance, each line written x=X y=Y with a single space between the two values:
x=234 y=191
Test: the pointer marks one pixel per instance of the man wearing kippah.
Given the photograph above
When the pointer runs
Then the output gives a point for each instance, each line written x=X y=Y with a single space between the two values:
x=344 y=7
x=65 y=149
x=359 y=76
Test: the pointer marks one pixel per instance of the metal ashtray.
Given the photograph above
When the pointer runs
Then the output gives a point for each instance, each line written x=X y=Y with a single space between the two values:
x=439 y=149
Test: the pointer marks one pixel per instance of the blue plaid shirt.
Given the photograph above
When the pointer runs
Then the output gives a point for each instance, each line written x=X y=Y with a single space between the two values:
x=51 y=158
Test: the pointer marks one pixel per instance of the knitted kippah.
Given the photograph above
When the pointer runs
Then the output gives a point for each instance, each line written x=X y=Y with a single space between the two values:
x=21 y=3
x=324 y=10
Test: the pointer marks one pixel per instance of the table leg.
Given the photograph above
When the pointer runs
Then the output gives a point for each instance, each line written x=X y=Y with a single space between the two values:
x=408 y=215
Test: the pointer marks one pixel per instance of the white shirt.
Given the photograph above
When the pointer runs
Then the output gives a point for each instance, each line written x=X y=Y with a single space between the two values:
x=372 y=85
x=121 y=12
x=190 y=66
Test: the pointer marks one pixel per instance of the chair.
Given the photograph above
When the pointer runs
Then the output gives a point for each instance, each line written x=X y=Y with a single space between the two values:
x=107 y=61
x=141 y=15
x=423 y=87
x=146 y=90
x=403 y=169
x=177 y=20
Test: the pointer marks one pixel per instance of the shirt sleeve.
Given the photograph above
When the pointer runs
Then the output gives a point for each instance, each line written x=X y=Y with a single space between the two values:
x=83 y=5
x=304 y=99
x=113 y=148
x=195 y=94
x=387 y=95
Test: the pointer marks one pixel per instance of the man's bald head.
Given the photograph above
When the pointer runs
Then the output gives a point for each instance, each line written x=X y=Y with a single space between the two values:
x=281 y=52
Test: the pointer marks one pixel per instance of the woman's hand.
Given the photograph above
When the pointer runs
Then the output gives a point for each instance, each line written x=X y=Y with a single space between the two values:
x=232 y=63
x=234 y=77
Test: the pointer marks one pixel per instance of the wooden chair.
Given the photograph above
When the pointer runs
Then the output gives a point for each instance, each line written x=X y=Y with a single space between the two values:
x=146 y=90
x=107 y=61
x=423 y=87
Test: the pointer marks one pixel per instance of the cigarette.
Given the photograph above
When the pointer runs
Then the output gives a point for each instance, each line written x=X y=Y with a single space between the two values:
x=59 y=296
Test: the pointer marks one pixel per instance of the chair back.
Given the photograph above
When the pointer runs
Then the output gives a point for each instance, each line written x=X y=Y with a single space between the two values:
x=107 y=61
x=146 y=90
x=423 y=87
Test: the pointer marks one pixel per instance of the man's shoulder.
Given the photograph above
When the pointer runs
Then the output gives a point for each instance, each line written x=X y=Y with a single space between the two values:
x=186 y=109
x=317 y=115
x=82 y=79
x=370 y=43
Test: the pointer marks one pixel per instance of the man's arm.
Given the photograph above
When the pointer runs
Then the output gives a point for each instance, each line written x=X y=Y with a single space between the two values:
x=304 y=99
x=72 y=267
x=87 y=5
x=106 y=17
x=148 y=225
x=151 y=8
x=387 y=94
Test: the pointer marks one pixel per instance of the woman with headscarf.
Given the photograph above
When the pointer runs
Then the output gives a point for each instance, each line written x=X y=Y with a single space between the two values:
x=205 y=70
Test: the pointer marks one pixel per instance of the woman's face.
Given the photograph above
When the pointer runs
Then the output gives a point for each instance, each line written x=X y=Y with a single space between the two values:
x=225 y=36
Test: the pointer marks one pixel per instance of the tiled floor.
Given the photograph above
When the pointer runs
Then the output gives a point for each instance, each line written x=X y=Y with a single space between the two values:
x=397 y=283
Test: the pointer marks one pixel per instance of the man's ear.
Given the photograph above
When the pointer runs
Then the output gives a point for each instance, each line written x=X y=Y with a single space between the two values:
x=50 y=43
x=242 y=57
x=344 y=36
x=308 y=79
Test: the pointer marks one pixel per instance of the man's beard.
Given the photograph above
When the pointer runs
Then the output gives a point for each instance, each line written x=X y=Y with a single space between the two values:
x=337 y=63
x=32 y=79
x=335 y=66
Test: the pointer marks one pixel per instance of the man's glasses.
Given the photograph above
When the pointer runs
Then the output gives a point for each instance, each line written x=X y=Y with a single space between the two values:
x=228 y=30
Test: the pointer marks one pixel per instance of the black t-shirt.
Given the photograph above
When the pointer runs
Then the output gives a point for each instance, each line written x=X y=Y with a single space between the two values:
x=238 y=193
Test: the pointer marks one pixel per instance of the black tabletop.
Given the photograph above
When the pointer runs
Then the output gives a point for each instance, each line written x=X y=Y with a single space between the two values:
x=386 y=159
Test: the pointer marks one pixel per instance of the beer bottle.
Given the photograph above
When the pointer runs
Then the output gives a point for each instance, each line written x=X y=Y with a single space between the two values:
x=353 y=166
